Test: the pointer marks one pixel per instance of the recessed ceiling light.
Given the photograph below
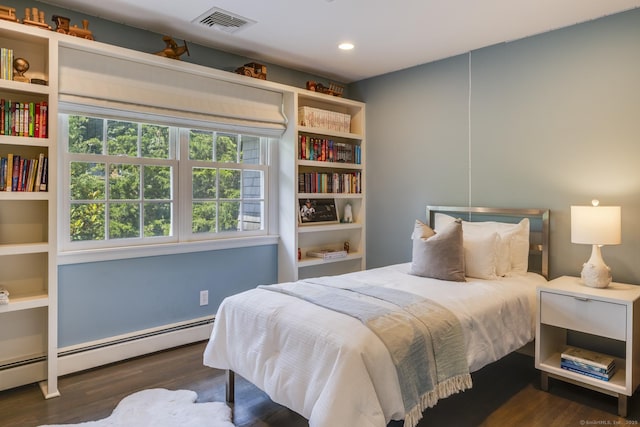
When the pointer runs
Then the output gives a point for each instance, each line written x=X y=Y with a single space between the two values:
x=346 y=46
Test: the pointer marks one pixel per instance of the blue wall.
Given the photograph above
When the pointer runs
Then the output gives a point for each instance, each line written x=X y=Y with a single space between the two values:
x=103 y=299
x=544 y=122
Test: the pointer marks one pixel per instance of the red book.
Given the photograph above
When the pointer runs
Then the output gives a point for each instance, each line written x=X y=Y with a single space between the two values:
x=15 y=173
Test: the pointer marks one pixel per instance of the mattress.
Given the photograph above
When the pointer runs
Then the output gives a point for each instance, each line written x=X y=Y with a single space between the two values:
x=332 y=369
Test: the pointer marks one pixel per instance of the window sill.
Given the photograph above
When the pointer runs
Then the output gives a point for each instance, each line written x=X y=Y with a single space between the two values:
x=109 y=254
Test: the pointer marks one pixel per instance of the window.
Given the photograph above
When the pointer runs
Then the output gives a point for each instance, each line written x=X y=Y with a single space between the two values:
x=133 y=183
x=228 y=179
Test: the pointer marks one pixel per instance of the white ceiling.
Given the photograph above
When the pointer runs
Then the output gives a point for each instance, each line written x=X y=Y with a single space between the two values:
x=388 y=35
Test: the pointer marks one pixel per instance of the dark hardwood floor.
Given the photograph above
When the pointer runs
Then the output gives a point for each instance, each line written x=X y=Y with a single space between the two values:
x=506 y=393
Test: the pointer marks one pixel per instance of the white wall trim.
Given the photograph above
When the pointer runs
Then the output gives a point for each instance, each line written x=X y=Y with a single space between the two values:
x=114 y=349
x=127 y=252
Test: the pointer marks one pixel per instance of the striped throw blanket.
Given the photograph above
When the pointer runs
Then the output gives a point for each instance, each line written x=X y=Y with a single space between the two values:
x=425 y=340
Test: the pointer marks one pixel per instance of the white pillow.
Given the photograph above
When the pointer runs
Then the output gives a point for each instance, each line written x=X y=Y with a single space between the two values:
x=513 y=247
x=480 y=254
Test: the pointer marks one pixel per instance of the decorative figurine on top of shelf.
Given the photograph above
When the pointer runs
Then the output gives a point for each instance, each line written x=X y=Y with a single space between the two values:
x=334 y=88
x=21 y=66
x=346 y=246
x=4 y=296
x=8 y=13
x=34 y=17
x=253 y=69
x=172 y=50
x=62 y=26
x=348 y=214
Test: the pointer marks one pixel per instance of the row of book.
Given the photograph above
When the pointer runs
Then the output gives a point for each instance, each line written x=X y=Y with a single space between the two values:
x=6 y=63
x=18 y=173
x=324 y=119
x=326 y=150
x=23 y=118
x=589 y=363
x=320 y=182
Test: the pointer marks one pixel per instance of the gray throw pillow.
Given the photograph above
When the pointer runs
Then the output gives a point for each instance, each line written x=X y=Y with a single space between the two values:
x=439 y=255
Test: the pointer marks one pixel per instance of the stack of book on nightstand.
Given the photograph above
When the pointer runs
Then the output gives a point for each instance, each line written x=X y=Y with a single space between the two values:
x=589 y=363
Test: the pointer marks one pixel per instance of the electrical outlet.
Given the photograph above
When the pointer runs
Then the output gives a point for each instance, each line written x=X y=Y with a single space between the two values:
x=204 y=297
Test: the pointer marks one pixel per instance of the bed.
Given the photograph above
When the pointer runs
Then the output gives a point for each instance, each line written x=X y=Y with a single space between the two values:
x=298 y=343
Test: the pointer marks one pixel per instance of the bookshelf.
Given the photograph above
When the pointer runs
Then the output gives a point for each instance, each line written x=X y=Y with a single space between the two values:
x=28 y=269
x=323 y=161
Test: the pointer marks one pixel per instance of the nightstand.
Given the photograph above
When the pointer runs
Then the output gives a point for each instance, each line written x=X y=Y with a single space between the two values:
x=613 y=313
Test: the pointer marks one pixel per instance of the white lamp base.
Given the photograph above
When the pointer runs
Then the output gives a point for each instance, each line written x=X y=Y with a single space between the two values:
x=595 y=273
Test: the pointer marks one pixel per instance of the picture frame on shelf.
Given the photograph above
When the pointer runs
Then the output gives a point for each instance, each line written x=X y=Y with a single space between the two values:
x=315 y=211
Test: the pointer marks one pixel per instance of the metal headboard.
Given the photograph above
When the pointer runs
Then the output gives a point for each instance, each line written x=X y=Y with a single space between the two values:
x=538 y=234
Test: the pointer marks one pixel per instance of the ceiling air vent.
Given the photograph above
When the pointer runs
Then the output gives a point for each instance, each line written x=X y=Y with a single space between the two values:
x=222 y=20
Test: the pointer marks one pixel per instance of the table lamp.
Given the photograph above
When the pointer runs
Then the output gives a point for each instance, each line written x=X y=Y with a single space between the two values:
x=595 y=225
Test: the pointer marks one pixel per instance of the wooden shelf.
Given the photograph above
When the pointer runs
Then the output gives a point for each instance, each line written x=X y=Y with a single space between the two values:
x=25 y=302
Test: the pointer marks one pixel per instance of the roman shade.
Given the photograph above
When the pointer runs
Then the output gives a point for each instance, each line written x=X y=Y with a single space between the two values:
x=182 y=92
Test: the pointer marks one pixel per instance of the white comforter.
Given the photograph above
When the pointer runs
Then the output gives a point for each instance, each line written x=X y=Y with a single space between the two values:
x=332 y=369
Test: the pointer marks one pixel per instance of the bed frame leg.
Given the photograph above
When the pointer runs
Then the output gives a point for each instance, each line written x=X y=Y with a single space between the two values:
x=230 y=386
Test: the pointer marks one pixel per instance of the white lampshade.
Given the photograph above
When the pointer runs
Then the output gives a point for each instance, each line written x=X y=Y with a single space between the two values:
x=596 y=225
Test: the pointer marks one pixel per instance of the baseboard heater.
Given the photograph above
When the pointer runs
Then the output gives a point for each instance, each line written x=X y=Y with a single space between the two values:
x=115 y=349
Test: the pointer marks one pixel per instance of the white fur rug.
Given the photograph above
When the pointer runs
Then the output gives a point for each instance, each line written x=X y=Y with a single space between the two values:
x=159 y=407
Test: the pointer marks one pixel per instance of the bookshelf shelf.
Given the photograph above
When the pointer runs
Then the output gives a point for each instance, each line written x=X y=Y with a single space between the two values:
x=319 y=132
x=599 y=320
x=330 y=165
x=310 y=261
x=23 y=141
x=22 y=88
x=26 y=302
x=28 y=219
x=23 y=248
x=342 y=166
x=329 y=227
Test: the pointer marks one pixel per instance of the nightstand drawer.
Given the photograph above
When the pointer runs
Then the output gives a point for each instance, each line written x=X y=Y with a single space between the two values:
x=587 y=315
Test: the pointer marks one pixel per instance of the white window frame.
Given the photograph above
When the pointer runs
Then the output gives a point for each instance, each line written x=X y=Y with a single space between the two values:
x=181 y=240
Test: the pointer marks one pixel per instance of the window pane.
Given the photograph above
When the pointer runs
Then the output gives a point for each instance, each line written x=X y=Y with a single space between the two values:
x=86 y=221
x=229 y=183
x=122 y=138
x=86 y=135
x=204 y=217
x=124 y=182
x=157 y=182
x=204 y=183
x=250 y=152
x=201 y=145
x=227 y=148
x=252 y=184
x=229 y=216
x=124 y=220
x=252 y=214
x=157 y=219
x=87 y=181
x=155 y=141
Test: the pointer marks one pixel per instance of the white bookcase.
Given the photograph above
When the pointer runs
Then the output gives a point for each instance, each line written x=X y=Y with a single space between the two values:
x=28 y=269
x=296 y=238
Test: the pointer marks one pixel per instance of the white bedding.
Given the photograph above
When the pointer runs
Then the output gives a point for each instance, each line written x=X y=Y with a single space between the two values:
x=332 y=369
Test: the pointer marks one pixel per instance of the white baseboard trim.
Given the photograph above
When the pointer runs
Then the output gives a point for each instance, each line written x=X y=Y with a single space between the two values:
x=115 y=349
x=21 y=375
